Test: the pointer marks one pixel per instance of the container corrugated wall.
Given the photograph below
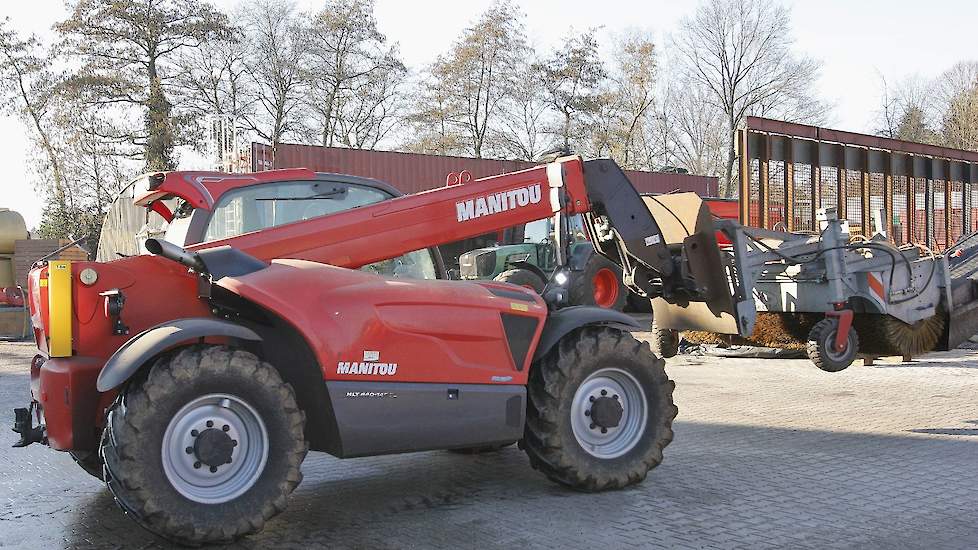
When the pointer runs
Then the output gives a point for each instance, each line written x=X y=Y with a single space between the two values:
x=411 y=172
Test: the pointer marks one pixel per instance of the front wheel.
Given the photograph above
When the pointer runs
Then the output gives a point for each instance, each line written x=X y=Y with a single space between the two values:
x=821 y=346
x=524 y=278
x=206 y=448
x=600 y=410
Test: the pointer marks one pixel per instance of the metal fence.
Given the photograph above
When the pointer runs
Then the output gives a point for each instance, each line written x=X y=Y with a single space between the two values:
x=922 y=193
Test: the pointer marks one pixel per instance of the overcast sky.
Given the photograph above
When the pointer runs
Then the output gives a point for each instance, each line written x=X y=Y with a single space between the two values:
x=855 y=40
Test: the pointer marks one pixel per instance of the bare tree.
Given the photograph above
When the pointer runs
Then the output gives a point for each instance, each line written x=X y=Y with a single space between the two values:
x=479 y=73
x=573 y=77
x=695 y=127
x=955 y=96
x=355 y=74
x=521 y=132
x=277 y=52
x=30 y=90
x=127 y=48
x=432 y=120
x=373 y=108
x=741 y=51
x=213 y=79
x=633 y=95
x=906 y=110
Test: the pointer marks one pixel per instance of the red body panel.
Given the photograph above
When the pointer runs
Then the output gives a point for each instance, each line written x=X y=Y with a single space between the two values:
x=434 y=331
x=156 y=290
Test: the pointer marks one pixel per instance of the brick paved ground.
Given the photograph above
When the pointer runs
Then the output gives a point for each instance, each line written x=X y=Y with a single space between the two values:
x=767 y=454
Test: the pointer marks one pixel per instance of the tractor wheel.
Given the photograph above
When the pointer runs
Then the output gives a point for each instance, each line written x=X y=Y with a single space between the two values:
x=599 y=285
x=665 y=342
x=207 y=447
x=821 y=346
x=90 y=461
x=599 y=410
x=522 y=277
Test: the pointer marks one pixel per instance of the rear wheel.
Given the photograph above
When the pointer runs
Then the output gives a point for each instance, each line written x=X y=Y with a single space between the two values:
x=599 y=412
x=821 y=346
x=206 y=448
x=599 y=285
x=522 y=277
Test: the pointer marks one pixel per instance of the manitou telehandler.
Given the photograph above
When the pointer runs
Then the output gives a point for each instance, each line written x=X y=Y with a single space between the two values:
x=194 y=378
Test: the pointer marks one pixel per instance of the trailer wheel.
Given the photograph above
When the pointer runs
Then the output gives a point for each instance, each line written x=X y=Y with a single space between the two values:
x=599 y=410
x=207 y=447
x=665 y=342
x=522 y=277
x=821 y=346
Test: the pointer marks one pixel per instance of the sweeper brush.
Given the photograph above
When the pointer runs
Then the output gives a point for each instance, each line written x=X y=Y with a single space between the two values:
x=885 y=335
x=830 y=293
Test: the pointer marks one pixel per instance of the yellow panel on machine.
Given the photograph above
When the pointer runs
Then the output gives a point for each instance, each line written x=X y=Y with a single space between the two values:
x=59 y=308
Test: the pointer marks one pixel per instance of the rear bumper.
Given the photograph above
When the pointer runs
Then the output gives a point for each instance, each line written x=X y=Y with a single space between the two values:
x=63 y=389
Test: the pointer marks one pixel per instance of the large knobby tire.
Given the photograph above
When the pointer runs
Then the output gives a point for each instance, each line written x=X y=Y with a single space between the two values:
x=90 y=461
x=664 y=341
x=522 y=277
x=168 y=433
x=599 y=363
x=821 y=346
x=599 y=284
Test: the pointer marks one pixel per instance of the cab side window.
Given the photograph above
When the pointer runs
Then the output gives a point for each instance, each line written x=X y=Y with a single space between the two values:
x=261 y=206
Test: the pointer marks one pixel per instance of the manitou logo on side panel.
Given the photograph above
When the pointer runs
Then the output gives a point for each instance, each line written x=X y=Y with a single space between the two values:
x=366 y=369
x=498 y=202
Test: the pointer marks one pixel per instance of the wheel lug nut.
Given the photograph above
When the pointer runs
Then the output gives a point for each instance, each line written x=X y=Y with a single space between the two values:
x=591 y=398
x=197 y=465
x=194 y=433
x=234 y=442
x=226 y=427
x=190 y=450
x=604 y=392
x=210 y=423
x=213 y=469
x=604 y=430
x=592 y=426
x=586 y=413
x=615 y=396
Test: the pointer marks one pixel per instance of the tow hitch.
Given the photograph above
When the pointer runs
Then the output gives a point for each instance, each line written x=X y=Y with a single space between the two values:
x=25 y=427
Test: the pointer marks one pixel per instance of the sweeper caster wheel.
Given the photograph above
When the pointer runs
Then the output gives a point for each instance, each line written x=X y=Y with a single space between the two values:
x=665 y=342
x=821 y=346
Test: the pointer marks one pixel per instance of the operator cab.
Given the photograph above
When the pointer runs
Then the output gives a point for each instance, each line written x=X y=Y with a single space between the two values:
x=145 y=209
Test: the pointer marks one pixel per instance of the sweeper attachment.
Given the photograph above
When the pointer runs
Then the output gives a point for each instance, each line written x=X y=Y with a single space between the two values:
x=835 y=295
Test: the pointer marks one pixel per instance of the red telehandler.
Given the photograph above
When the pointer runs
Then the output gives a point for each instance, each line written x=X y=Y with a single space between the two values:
x=194 y=379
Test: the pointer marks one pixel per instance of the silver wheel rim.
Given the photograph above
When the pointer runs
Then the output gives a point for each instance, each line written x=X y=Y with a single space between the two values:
x=609 y=442
x=829 y=348
x=239 y=423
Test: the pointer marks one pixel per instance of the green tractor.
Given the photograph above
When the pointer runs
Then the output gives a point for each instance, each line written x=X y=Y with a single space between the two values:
x=530 y=259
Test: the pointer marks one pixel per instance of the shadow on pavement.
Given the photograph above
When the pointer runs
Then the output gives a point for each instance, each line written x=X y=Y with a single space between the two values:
x=743 y=484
